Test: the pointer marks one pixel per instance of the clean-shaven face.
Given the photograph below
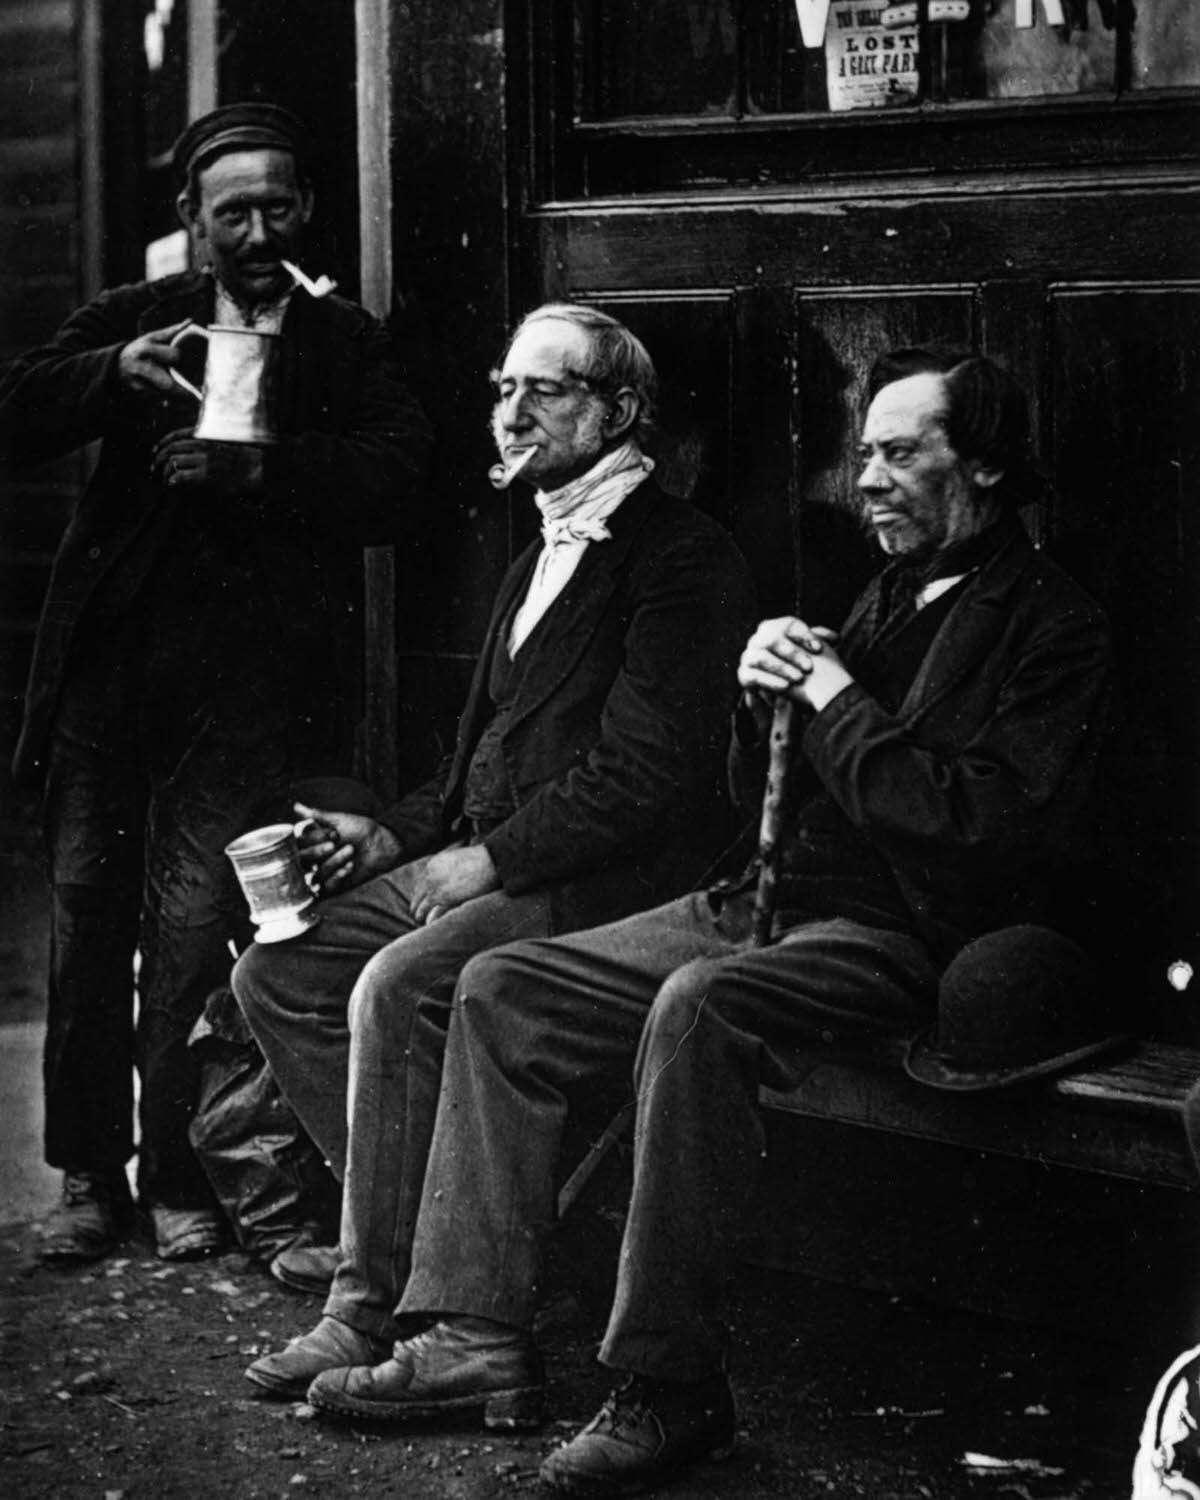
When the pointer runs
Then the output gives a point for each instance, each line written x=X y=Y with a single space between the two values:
x=250 y=217
x=543 y=404
x=916 y=490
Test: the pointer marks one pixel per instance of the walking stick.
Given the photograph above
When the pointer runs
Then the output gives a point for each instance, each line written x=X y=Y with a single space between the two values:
x=772 y=819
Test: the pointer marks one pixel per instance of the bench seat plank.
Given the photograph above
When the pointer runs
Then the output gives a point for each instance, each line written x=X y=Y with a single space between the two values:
x=1122 y=1119
x=1157 y=1076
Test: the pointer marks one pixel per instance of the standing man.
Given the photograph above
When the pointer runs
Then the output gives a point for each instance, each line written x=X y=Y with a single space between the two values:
x=945 y=762
x=194 y=648
x=587 y=781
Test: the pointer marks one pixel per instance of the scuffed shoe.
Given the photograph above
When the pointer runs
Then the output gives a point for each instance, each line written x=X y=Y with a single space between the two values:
x=95 y=1212
x=307 y=1268
x=186 y=1233
x=645 y=1432
x=457 y=1365
x=331 y=1345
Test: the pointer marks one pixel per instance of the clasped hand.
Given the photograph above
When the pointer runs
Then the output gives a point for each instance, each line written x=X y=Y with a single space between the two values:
x=789 y=657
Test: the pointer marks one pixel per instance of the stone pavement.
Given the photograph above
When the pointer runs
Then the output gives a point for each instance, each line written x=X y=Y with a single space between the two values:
x=28 y=1187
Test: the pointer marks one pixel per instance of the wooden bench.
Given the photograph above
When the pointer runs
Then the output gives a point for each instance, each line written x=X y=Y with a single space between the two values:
x=1123 y=1117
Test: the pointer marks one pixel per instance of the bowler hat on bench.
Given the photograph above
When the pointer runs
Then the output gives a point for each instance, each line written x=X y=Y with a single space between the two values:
x=1013 y=1005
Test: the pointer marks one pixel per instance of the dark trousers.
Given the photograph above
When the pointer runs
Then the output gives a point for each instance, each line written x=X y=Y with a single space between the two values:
x=142 y=795
x=678 y=997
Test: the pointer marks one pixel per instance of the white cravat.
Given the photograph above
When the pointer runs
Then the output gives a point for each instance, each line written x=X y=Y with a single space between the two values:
x=571 y=518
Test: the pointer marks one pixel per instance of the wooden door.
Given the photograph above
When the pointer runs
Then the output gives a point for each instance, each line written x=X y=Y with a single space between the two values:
x=1034 y=197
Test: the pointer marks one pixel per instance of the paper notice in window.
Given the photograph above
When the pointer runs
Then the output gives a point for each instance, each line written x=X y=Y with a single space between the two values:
x=871 y=50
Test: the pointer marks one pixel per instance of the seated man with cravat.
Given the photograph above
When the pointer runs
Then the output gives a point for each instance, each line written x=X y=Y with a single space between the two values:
x=587 y=781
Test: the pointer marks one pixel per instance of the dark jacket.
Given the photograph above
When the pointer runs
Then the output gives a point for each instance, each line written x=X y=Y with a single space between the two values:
x=977 y=792
x=616 y=745
x=345 y=473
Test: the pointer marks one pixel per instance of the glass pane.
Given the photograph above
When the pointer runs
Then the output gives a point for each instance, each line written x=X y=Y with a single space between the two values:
x=657 y=57
x=847 y=55
x=1166 y=45
x=164 y=40
x=729 y=57
x=1023 y=61
x=872 y=54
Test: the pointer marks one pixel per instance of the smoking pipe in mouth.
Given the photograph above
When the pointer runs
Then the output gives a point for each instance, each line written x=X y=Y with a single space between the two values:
x=500 y=476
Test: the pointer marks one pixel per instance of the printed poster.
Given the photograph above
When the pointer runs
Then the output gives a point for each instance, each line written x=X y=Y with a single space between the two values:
x=870 y=57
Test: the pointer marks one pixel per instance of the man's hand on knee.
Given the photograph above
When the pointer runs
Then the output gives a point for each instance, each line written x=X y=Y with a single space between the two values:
x=342 y=850
x=452 y=877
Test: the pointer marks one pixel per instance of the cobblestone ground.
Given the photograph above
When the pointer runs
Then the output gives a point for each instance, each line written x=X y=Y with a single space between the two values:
x=124 y=1382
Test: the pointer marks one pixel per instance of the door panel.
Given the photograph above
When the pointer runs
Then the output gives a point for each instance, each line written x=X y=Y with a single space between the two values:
x=1125 y=448
x=690 y=339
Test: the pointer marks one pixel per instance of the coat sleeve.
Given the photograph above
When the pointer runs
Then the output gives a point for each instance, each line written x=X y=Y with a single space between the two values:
x=356 y=473
x=65 y=393
x=419 y=819
x=659 y=757
x=991 y=801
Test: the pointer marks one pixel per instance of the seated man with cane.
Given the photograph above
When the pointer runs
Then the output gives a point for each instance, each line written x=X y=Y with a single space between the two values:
x=938 y=793
x=587 y=782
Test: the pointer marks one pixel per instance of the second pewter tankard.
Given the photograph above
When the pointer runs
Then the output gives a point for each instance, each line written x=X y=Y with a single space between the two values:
x=241 y=379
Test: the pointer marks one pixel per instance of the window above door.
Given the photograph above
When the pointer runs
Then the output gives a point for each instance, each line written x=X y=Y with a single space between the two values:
x=652 y=95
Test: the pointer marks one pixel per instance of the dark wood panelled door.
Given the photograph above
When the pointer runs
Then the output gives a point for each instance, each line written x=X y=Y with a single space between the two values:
x=1036 y=199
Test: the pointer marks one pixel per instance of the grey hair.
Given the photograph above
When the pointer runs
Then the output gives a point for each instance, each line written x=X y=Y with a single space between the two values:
x=617 y=359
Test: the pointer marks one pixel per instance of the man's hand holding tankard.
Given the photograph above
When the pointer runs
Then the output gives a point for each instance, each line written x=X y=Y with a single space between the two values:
x=343 y=850
x=144 y=364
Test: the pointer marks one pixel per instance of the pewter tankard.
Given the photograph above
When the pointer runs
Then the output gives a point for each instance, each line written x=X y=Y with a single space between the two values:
x=267 y=864
x=241 y=379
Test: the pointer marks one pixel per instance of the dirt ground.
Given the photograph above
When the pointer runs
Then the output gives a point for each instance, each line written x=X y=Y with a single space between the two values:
x=124 y=1381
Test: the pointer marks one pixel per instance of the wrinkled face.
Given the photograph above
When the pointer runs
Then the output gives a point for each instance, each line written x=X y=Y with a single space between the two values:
x=544 y=403
x=916 y=490
x=251 y=214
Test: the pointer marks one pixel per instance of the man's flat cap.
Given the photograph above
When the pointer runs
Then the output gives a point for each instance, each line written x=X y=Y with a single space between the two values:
x=239 y=127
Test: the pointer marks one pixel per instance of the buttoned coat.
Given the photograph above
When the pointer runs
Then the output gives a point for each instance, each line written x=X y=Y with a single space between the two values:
x=346 y=471
x=616 y=743
x=978 y=791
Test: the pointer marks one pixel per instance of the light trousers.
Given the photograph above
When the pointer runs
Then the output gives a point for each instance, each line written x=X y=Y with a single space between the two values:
x=352 y=1020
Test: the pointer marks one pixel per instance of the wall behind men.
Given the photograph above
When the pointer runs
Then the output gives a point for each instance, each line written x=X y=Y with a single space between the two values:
x=450 y=315
x=41 y=251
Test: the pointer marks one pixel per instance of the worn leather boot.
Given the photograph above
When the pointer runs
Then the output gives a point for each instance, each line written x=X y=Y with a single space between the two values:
x=307 y=1268
x=187 y=1233
x=95 y=1211
x=329 y=1346
x=457 y=1365
x=645 y=1432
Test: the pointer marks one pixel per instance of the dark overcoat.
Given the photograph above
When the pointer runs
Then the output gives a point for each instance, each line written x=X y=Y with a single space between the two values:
x=346 y=471
x=615 y=748
x=978 y=791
